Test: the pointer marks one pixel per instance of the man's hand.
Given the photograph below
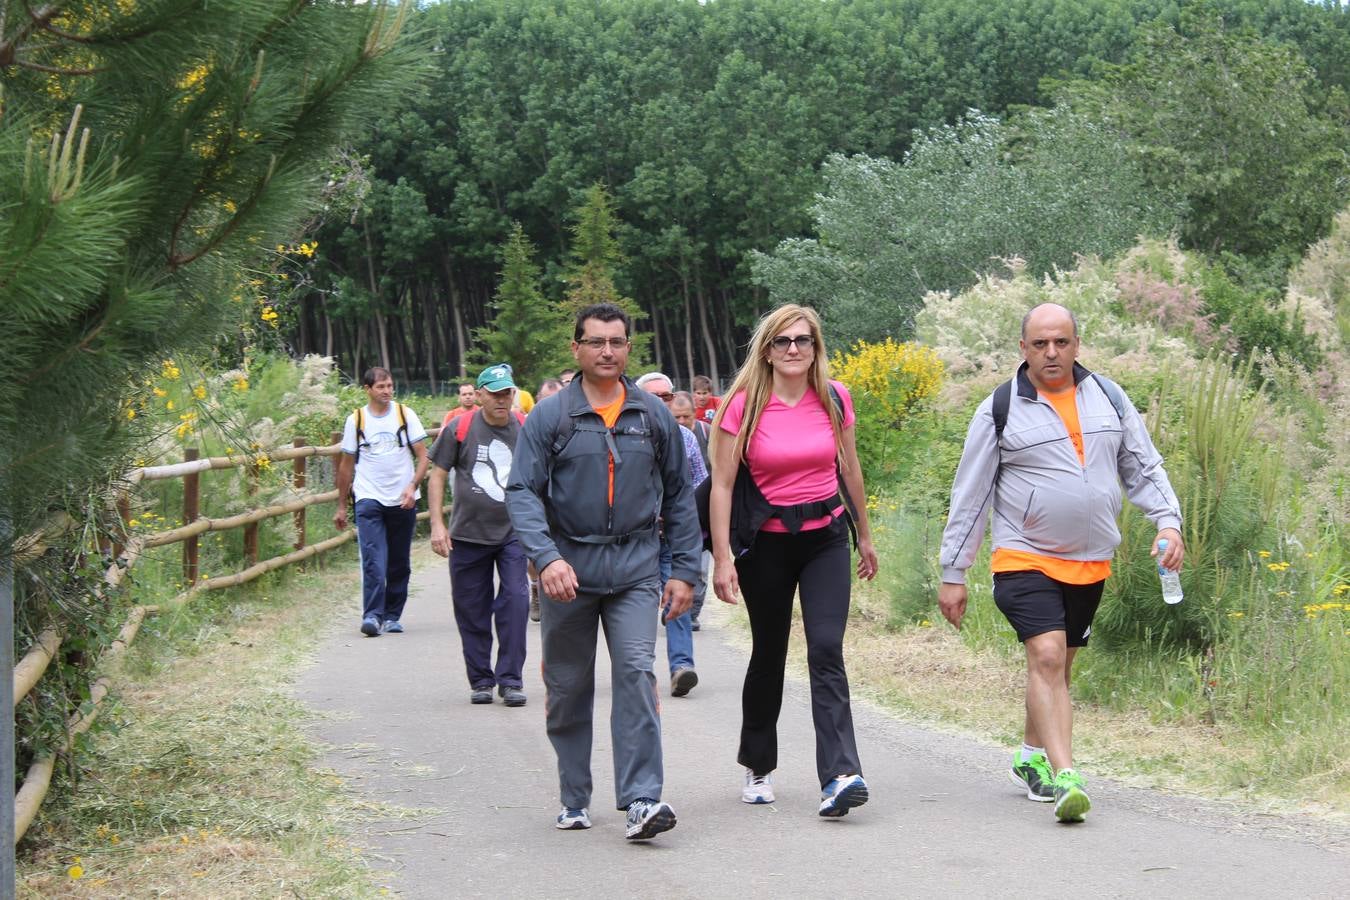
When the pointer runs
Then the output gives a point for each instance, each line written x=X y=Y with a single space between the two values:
x=677 y=598
x=559 y=581
x=440 y=539
x=952 y=602
x=340 y=517
x=1175 y=552
x=408 y=499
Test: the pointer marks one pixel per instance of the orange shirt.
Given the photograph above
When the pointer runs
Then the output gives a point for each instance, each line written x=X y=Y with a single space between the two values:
x=1068 y=571
x=609 y=414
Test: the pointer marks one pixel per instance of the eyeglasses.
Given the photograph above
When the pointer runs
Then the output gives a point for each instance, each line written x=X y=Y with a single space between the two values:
x=597 y=344
x=667 y=396
x=804 y=342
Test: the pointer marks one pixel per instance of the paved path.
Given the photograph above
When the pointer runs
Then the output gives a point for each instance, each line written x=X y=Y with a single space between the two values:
x=944 y=819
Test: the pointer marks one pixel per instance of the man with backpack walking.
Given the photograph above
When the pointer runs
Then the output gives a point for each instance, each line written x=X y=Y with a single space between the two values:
x=596 y=466
x=478 y=449
x=380 y=441
x=1048 y=452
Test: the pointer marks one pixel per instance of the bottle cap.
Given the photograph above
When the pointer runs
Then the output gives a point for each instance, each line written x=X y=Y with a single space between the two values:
x=1162 y=543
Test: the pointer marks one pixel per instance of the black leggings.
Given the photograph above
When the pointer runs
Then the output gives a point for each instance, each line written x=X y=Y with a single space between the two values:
x=817 y=563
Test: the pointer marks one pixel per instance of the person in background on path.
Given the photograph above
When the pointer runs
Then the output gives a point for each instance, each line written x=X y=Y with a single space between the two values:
x=705 y=404
x=595 y=468
x=682 y=408
x=524 y=401
x=380 y=441
x=547 y=388
x=788 y=430
x=478 y=449
x=1051 y=471
x=467 y=403
x=680 y=630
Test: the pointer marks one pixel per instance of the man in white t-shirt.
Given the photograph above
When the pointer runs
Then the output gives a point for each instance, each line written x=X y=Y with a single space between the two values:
x=379 y=443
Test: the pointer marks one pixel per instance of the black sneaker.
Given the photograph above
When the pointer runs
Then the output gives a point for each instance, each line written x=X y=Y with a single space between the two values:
x=1034 y=775
x=370 y=626
x=647 y=818
x=682 y=682
x=511 y=696
x=480 y=695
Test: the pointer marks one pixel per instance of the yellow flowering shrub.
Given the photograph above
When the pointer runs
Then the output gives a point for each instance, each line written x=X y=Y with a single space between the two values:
x=891 y=379
x=889 y=383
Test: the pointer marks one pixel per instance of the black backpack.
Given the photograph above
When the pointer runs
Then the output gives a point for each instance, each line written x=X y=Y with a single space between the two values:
x=1003 y=397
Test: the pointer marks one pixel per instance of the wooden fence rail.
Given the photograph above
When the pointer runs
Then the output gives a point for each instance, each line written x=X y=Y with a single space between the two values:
x=30 y=669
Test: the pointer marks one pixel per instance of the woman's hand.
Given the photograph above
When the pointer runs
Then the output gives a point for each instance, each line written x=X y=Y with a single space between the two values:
x=867 y=559
x=726 y=584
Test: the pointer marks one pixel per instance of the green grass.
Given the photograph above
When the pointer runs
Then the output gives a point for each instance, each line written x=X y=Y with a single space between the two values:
x=200 y=780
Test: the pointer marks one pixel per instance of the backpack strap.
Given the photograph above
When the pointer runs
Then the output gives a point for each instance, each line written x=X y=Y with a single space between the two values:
x=360 y=433
x=1113 y=393
x=462 y=425
x=402 y=435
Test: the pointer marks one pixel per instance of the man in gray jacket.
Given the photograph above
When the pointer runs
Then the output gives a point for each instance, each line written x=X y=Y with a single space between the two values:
x=597 y=465
x=1048 y=453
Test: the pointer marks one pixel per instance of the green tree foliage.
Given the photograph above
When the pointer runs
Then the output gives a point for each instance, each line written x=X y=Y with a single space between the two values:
x=527 y=330
x=149 y=153
x=1044 y=188
x=709 y=124
x=1238 y=125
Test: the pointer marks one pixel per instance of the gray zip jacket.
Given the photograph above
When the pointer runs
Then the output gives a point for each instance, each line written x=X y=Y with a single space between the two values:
x=558 y=492
x=1043 y=499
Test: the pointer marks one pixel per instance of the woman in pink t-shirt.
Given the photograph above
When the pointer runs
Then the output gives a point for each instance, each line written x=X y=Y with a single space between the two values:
x=781 y=419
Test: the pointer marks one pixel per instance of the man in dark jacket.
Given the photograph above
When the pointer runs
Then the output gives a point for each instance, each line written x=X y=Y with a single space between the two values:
x=596 y=466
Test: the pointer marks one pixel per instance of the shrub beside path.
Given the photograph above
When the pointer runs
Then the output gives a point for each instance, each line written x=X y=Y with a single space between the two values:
x=478 y=785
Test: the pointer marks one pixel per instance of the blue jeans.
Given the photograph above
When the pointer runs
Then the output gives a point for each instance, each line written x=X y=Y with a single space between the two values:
x=477 y=609
x=679 y=631
x=384 y=535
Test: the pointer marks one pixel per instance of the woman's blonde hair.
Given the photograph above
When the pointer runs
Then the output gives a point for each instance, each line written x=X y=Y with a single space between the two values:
x=756 y=378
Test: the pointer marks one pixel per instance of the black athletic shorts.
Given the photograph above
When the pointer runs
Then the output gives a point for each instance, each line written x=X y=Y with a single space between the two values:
x=1035 y=603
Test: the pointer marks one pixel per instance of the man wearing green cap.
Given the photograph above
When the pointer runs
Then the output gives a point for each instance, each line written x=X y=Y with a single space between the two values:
x=478 y=448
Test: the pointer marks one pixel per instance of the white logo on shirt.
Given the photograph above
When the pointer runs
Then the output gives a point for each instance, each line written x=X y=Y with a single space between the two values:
x=492 y=469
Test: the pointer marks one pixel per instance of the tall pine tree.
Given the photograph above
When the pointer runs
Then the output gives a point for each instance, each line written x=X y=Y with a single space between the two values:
x=595 y=260
x=527 y=330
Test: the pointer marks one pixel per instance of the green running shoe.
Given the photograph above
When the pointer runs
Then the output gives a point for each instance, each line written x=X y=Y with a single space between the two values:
x=1071 y=801
x=1034 y=775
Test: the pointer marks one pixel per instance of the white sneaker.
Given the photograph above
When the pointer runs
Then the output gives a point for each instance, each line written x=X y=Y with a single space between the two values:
x=758 y=788
x=572 y=819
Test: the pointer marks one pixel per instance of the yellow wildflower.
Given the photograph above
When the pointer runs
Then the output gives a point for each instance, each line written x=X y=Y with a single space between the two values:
x=230 y=207
x=1236 y=615
x=160 y=392
x=131 y=413
x=76 y=871
x=169 y=371
x=169 y=405
x=199 y=392
x=1264 y=554
x=241 y=384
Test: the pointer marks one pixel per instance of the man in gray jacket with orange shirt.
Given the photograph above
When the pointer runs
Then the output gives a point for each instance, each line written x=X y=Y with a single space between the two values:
x=595 y=467
x=1048 y=453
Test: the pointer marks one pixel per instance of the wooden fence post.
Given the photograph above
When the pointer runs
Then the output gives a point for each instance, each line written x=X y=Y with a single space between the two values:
x=251 y=529
x=191 y=508
x=298 y=480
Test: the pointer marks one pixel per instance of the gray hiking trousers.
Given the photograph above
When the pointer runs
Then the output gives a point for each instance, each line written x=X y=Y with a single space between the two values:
x=569 y=633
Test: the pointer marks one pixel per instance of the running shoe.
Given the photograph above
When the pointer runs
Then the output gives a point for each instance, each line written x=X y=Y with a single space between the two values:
x=1071 y=801
x=758 y=788
x=647 y=818
x=370 y=626
x=480 y=695
x=1034 y=775
x=682 y=682
x=393 y=626
x=511 y=696
x=573 y=819
x=842 y=794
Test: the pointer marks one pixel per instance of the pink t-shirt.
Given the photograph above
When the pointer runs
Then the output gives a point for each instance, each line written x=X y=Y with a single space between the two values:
x=792 y=453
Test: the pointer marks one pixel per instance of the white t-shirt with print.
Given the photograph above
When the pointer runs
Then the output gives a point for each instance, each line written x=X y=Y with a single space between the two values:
x=384 y=468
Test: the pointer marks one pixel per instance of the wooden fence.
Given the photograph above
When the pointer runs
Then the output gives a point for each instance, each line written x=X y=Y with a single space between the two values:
x=30 y=669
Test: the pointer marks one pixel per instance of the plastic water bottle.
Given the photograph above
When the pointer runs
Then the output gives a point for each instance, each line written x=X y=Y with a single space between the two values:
x=1171 y=581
